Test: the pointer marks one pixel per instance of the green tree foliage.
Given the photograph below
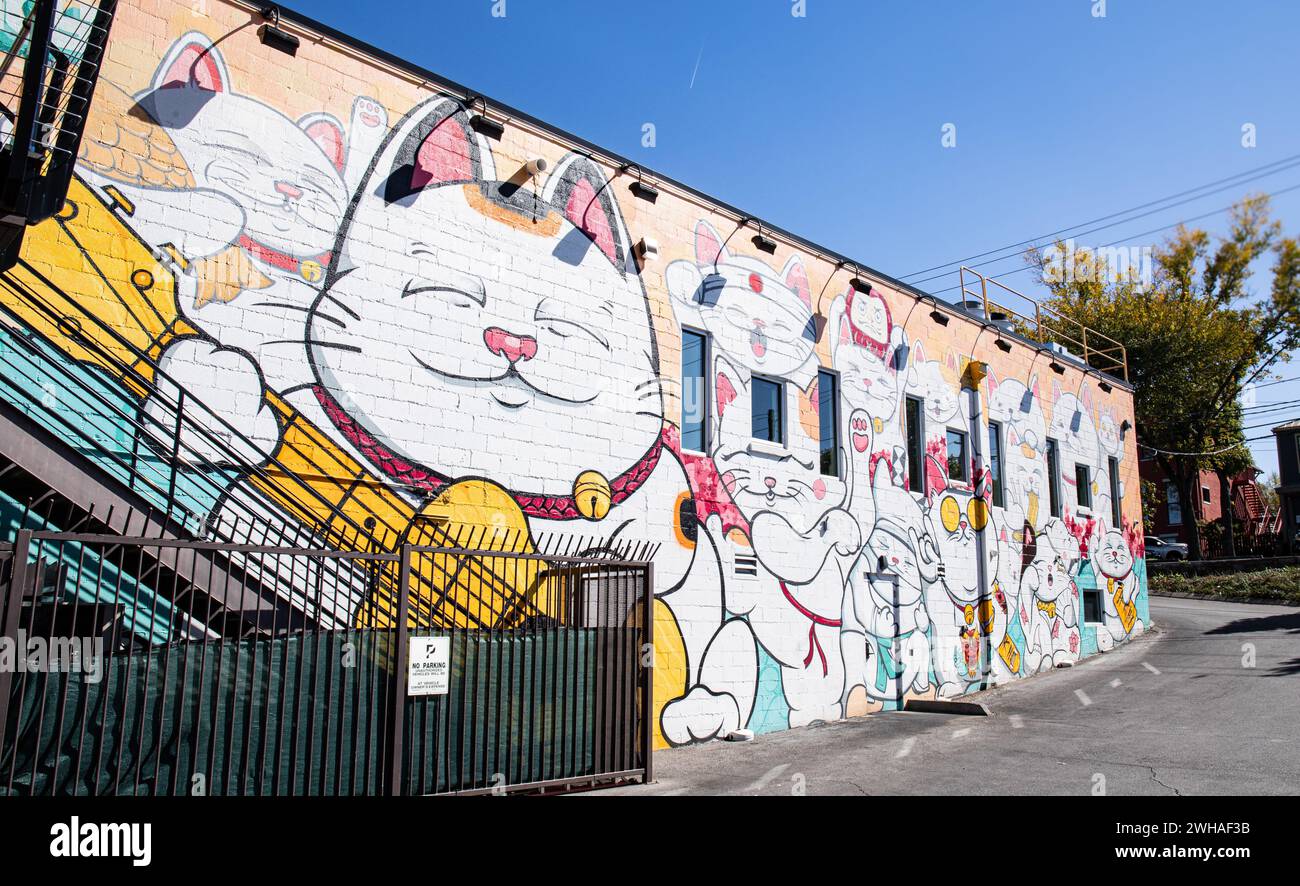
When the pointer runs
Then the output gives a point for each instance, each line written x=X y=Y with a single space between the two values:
x=1195 y=336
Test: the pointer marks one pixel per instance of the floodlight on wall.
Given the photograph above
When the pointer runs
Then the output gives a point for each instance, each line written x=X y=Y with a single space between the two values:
x=639 y=188
x=763 y=242
x=483 y=124
x=860 y=285
x=272 y=35
x=939 y=317
x=1057 y=368
x=1105 y=386
x=1124 y=428
x=648 y=249
x=1004 y=346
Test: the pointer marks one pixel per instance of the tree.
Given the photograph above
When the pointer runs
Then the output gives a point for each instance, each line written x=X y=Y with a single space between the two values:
x=1193 y=333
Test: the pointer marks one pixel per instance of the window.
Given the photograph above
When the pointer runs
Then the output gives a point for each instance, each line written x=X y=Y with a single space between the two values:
x=995 y=462
x=956 y=456
x=1174 y=505
x=768 y=411
x=695 y=391
x=1113 y=465
x=1083 y=485
x=828 y=413
x=1054 y=476
x=1205 y=494
x=1093 y=611
x=915 y=430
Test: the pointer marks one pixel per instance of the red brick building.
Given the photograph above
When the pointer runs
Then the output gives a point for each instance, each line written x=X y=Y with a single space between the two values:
x=1172 y=515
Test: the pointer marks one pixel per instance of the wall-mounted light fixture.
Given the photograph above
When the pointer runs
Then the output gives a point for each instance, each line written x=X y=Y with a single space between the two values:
x=860 y=285
x=939 y=317
x=272 y=35
x=1124 y=428
x=1004 y=346
x=1057 y=368
x=763 y=242
x=1105 y=386
x=639 y=188
x=483 y=124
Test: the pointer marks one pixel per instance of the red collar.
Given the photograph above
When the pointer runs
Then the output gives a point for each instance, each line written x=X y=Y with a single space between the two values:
x=549 y=507
x=278 y=259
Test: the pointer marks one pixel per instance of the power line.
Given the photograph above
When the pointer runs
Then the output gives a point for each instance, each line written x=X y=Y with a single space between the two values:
x=1249 y=174
x=1122 y=239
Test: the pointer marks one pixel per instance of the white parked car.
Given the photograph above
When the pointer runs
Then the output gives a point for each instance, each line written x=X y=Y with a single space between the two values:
x=1159 y=549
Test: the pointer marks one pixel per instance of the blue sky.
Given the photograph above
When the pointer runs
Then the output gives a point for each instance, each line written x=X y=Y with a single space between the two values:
x=830 y=125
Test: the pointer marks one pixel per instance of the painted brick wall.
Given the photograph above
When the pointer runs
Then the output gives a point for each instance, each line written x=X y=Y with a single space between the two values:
x=356 y=267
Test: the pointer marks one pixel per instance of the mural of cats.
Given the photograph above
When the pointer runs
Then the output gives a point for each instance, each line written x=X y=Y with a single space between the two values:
x=865 y=350
x=513 y=372
x=272 y=192
x=1113 y=567
x=1049 y=596
x=885 y=609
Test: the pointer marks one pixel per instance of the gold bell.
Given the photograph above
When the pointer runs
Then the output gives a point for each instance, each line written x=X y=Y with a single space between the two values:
x=592 y=495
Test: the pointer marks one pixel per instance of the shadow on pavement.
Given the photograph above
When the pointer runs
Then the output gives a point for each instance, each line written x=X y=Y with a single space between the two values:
x=1286 y=669
x=1287 y=622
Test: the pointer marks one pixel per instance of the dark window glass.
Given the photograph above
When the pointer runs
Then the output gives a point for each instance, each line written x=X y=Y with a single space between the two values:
x=1092 y=608
x=1205 y=494
x=1175 y=506
x=1054 y=477
x=995 y=462
x=1083 y=485
x=956 y=456
x=768 y=414
x=915 y=448
x=1114 y=492
x=695 y=391
x=828 y=404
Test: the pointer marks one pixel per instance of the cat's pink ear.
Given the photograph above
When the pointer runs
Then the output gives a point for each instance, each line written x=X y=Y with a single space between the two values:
x=918 y=354
x=444 y=156
x=846 y=334
x=1033 y=386
x=993 y=383
x=796 y=277
x=193 y=61
x=708 y=244
x=578 y=188
x=327 y=133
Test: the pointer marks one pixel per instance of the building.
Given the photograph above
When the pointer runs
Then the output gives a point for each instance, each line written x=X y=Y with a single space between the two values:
x=1288 y=467
x=1256 y=522
x=353 y=295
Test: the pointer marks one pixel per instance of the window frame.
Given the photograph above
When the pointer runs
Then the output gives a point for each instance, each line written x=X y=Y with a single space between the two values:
x=1206 y=496
x=1096 y=595
x=995 y=464
x=707 y=341
x=829 y=375
x=965 y=455
x=781 y=408
x=1173 y=500
x=916 y=465
x=1116 y=513
x=1053 y=455
x=1080 y=488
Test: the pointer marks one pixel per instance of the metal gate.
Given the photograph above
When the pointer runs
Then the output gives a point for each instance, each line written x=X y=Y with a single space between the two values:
x=163 y=666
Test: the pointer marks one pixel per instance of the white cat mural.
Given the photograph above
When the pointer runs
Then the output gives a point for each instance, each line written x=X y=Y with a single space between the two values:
x=1049 y=597
x=1113 y=570
x=272 y=193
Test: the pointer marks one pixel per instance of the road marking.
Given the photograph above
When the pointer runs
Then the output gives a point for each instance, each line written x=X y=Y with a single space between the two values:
x=768 y=777
x=1116 y=683
x=1083 y=697
x=961 y=733
x=905 y=749
x=1150 y=667
x=1017 y=721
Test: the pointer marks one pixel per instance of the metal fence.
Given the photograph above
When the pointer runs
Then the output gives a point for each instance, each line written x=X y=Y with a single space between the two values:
x=543 y=647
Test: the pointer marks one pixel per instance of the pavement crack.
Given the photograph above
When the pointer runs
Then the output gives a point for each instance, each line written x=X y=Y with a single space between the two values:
x=1156 y=779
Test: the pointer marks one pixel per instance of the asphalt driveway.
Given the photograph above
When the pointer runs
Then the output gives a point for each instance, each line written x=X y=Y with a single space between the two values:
x=1207 y=704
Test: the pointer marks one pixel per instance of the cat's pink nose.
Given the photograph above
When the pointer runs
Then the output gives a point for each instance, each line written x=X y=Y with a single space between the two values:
x=288 y=189
x=770 y=481
x=515 y=348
